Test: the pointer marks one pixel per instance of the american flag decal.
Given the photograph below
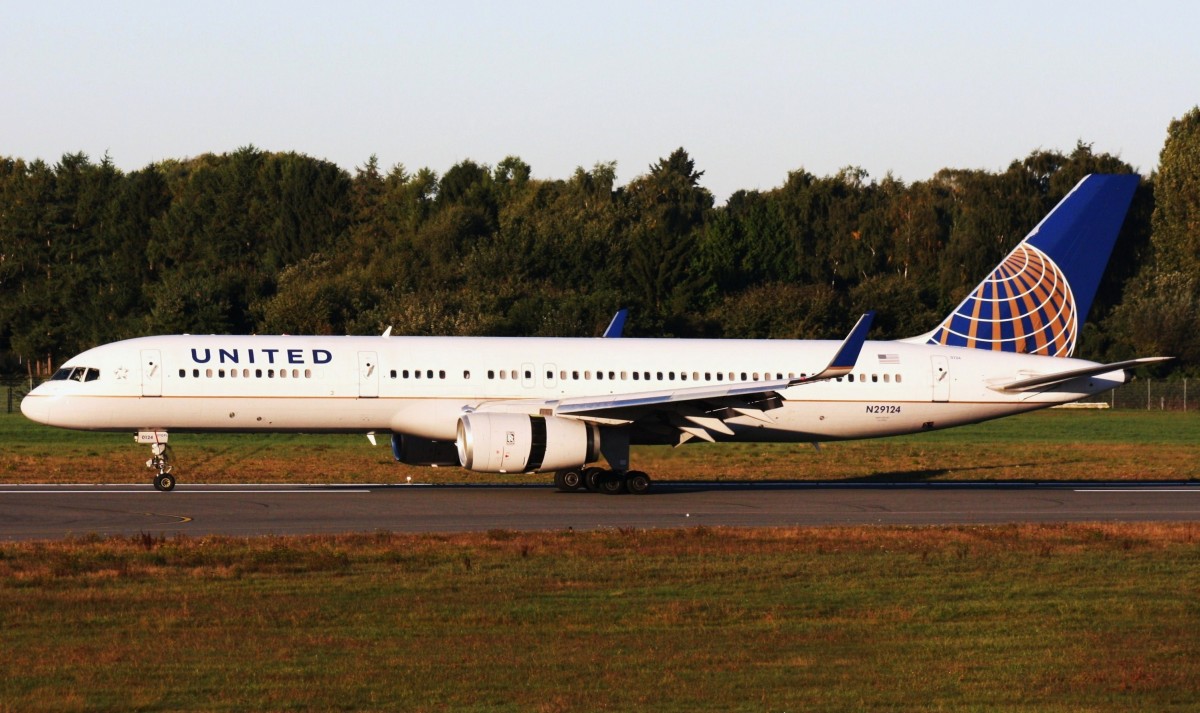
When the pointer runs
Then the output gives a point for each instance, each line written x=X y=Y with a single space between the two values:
x=889 y=358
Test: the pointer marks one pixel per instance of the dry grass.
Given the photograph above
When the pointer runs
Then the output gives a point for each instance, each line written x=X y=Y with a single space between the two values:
x=1073 y=617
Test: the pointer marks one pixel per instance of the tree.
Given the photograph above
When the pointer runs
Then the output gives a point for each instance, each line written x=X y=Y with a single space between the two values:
x=1161 y=309
x=670 y=207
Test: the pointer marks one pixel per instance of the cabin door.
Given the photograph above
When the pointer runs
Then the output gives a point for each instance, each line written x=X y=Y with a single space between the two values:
x=368 y=375
x=941 y=378
x=151 y=372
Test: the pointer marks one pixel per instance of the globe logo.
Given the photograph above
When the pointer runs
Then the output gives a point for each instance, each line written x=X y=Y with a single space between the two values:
x=1024 y=306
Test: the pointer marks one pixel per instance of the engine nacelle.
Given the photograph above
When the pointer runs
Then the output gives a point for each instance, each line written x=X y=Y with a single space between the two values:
x=411 y=450
x=517 y=443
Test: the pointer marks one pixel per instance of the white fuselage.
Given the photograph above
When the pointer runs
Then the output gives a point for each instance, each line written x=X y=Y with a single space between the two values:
x=421 y=386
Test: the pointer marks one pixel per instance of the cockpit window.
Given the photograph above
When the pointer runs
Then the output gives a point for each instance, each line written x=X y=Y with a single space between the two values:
x=78 y=373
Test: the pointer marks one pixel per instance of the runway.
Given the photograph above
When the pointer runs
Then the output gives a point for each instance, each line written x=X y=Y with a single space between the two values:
x=58 y=511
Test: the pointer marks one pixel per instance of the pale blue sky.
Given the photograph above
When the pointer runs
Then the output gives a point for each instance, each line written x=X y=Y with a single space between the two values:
x=751 y=89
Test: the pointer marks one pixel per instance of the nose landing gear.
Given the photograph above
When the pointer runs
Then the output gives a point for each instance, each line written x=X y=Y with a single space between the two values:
x=160 y=459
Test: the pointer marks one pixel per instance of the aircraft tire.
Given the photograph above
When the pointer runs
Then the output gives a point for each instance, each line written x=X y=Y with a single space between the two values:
x=637 y=482
x=612 y=483
x=164 y=482
x=568 y=480
x=592 y=478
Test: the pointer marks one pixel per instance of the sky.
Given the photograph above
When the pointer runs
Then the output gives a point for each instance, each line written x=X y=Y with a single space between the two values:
x=752 y=90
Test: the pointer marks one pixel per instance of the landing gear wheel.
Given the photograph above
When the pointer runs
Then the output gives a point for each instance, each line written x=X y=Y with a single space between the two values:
x=568 y=480
x=612 y=483
x=160 y=462
x=592 y=478
x=637 y=482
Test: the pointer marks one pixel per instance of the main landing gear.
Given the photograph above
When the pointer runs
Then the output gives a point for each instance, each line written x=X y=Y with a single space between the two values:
x=609 y=482
x=160 y=461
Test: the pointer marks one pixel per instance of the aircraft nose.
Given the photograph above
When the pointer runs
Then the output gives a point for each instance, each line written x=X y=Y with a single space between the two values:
x=36 y=407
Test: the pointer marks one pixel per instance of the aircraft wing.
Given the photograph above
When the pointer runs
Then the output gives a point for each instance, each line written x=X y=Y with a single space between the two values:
x=694 y=411
x=1044 y=380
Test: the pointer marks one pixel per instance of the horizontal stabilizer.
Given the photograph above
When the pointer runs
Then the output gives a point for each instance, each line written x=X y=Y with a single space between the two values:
x=1059 y=377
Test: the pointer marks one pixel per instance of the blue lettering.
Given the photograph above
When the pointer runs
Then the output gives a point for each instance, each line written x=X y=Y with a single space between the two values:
x=321 y=356
x=225 y=354
x=271 y=355
x=295 y=356
x=196 y=357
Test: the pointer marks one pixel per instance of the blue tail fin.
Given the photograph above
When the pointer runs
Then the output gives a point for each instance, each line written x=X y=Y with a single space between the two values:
x=1035 y=301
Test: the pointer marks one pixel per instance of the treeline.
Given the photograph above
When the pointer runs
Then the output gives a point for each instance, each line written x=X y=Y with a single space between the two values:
x=264 y=242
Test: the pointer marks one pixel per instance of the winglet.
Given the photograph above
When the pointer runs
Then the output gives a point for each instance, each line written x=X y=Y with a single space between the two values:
x=847 y=355
x=617 y=325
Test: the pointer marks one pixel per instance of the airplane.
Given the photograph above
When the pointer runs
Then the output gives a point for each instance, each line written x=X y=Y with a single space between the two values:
x=560 y=405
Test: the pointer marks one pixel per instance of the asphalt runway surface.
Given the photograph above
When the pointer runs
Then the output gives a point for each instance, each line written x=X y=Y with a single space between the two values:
x=58 y=511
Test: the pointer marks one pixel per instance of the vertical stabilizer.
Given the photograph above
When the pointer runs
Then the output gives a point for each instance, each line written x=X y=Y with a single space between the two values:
x=1036 y=299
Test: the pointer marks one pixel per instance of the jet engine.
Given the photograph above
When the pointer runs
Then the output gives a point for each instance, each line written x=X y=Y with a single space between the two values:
x=519 y=443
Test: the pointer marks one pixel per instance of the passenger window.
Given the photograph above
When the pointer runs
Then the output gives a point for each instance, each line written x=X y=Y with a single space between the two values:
x=208 y=373
x=886 y=378
x=393 y=373
x=466 y=375
x=270 y=373
x=623 y=376
x=874 y=378
x=429 y=373
x=233 y=373
x=491 y=374
x=635 y=376
x=257 y=373
x=183 y=373
x=283 y=373
x=575 y=375
x=897 y=378
x=587 y=374
x=851 y=378
x=221 y=373
x=503 y=375
x=599 y=376
x=308 y=373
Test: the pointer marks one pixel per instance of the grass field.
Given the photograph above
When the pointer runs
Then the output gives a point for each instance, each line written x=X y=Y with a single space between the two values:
x=1045 y=445
x=1016 y=618
x=1093 y=617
